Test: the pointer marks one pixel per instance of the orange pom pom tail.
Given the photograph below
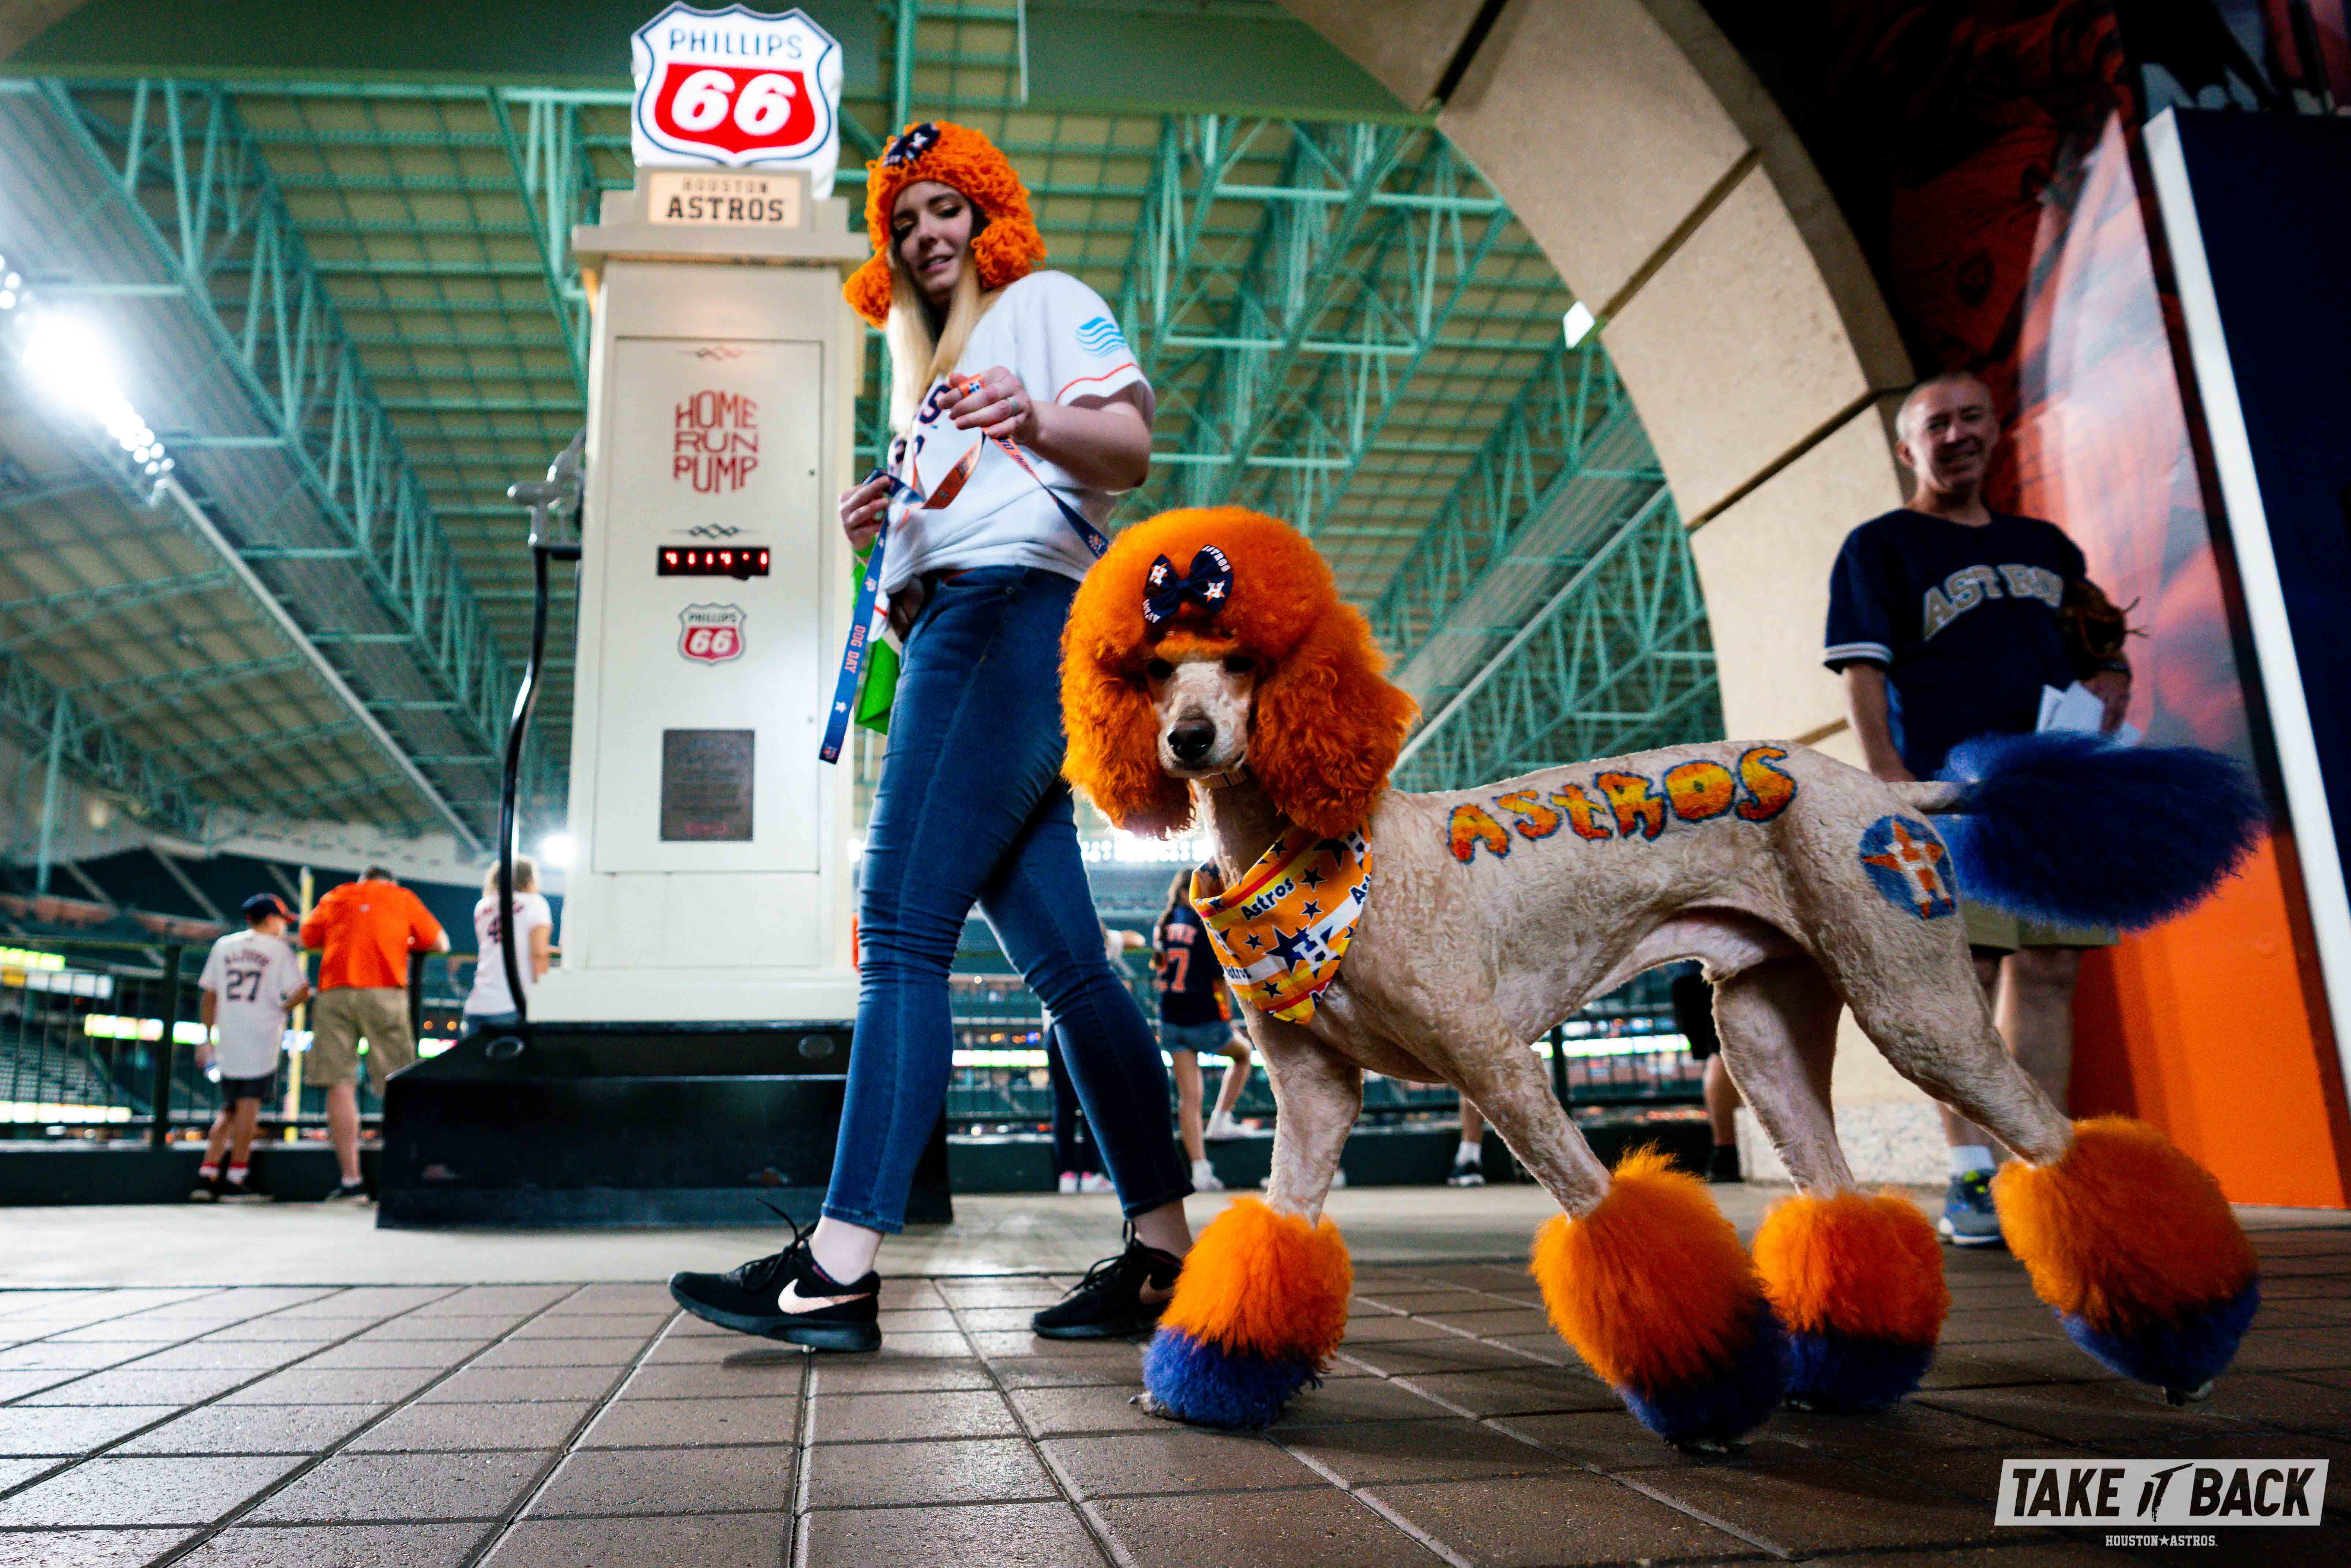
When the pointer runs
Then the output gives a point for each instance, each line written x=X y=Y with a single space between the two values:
x=2134 y=1247
x=1857 y=1281
x=1652 y=1290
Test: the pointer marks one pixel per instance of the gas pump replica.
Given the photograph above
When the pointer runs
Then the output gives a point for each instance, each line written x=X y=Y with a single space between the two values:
x=686 y=1060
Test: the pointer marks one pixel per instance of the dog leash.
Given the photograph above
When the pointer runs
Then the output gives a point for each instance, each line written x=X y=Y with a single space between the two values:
x=869 y=587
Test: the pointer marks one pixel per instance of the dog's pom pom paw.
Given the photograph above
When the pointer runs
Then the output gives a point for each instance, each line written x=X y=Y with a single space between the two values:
x=1710 y=1413
x=1858 y=1284
x=1260 y=1307
x=1202 y=1383
x=1654 y=1290
x=2180 y=1355
x=2166 y=1305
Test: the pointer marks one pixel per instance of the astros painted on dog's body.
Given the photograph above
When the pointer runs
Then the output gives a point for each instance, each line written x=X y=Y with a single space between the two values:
x=1211 y=674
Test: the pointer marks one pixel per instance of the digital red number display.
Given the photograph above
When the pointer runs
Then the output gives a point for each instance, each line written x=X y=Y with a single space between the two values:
x=744 y=562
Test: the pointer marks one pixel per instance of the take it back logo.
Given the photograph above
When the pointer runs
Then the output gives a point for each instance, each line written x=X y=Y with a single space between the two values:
x=2161 y=1492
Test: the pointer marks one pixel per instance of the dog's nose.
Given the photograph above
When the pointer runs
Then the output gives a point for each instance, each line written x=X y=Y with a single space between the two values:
x=1190 y=742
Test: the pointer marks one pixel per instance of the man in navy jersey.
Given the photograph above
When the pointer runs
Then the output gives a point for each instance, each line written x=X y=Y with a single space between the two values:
x=1195 y=1016
x=1944 y=619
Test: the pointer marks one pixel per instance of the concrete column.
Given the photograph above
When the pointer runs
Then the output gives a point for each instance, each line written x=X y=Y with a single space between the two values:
x=1650 y=165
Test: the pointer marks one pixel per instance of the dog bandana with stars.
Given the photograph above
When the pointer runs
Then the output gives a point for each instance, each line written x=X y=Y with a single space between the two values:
x=1280 y=933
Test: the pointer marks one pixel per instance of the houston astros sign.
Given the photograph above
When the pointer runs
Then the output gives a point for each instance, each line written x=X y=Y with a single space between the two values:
x=738 y=88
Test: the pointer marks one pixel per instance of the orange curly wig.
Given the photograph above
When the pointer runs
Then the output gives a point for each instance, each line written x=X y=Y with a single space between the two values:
x=956 y=155
x=1327 y=726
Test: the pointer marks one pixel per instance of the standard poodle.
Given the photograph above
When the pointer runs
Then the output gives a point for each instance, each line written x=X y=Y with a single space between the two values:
x=1211 y=672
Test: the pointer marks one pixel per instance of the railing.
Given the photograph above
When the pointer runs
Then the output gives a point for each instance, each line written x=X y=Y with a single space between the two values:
x=96 y=1034
x=84 y=1025
x=1620 y=1051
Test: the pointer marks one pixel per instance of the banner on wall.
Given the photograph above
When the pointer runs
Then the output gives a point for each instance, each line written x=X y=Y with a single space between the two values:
x=740 y=88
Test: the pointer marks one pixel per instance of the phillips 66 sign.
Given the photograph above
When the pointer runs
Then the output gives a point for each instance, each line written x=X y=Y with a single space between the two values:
x=738 y=88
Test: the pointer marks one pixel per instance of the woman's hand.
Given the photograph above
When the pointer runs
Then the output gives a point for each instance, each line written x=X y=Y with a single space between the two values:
x=862 y=510
x=2113 y=688
x=996 y=405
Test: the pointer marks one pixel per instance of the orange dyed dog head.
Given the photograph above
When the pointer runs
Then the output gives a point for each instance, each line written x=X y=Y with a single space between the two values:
x=1209 y=639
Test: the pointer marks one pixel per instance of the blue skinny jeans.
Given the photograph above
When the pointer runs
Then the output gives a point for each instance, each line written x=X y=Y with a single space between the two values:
x=971 y=808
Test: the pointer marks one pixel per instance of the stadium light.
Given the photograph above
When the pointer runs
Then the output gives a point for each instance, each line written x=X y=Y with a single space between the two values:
x=71 y=361
x=557 y=848
x=1577 y=323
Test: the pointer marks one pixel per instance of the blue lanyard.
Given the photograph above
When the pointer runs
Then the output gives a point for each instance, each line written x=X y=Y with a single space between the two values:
x=860 y=627
x=869 y=589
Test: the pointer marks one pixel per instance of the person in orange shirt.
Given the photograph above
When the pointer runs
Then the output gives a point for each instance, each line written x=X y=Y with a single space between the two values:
x=366 y=930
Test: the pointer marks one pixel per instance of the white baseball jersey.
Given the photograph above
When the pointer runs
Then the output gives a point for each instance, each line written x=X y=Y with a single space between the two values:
x=250 y=976
x=1058 y=336
x=490 y=993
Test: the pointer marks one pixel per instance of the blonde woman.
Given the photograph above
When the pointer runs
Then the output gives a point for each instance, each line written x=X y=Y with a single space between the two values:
x=1019 y=413
x=490 y=1005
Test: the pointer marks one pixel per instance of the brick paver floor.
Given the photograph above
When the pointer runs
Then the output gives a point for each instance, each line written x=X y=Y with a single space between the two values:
x=591 y=1427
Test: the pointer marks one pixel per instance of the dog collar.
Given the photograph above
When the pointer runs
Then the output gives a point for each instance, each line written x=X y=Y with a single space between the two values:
x=1230 y=779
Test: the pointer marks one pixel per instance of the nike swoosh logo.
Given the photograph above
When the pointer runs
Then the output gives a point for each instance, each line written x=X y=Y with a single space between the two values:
x=790 y=1300
x=1151 y=1295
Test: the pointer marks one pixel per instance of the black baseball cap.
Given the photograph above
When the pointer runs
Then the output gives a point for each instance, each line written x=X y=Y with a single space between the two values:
x=262 y=903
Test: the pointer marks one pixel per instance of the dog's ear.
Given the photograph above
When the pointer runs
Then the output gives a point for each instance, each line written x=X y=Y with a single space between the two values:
x=1113 y=745
x=1328 y=726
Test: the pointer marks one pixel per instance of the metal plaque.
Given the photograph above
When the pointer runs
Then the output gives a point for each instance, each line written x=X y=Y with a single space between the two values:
x=706 y=785
x=716 y=199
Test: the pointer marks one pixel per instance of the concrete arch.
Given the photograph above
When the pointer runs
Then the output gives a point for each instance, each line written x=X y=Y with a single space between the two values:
x=1646 y=157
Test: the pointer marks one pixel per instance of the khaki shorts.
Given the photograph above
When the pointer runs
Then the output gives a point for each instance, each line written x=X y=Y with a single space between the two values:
x=2000 y=930
x=339 y=1018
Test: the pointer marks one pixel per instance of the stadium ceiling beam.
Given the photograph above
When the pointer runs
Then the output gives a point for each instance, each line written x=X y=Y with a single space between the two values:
x=90 y=604
x=1566 y=464
x=56 y=488
x=192 y=180
x=35 y=711
x=237 y=569
x=284 y=740
x=1617 y=660
x=1299 y=259
x=558 y=186
x=1301 y=263
x=1395 y=327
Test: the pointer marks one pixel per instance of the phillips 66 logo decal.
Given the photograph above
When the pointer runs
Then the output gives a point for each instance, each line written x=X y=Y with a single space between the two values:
x=711 y=633
x=738 y=88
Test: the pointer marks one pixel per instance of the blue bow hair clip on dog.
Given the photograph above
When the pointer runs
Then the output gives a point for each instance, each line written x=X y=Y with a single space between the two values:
x=1208 y=585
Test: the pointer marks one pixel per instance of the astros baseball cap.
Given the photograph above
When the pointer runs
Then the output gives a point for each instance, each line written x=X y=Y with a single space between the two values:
x=262 y=903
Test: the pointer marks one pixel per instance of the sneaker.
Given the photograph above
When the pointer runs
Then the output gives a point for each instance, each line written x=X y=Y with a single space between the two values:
x=1466 y=1173
x=1204 y=1178
x=1069 y=1181
x=1222 y=1128
x=1968 y=1219
x=238 y=1192
x=786 y=1296
x=206 y=1190
x=1094 y=1181
x=348 y=1192
x=1118 y=1296
x=1722 y=1165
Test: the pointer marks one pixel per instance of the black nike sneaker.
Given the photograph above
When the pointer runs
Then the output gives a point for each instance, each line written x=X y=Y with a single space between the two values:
x=788 y=1297
x=1118 y=1296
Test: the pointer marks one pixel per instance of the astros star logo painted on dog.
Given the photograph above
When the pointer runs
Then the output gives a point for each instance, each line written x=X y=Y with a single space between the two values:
x=1910 y=866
